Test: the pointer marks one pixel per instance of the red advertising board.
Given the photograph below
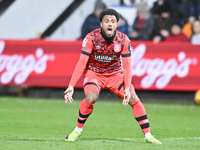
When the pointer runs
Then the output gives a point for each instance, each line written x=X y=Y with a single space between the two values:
x=163 y=66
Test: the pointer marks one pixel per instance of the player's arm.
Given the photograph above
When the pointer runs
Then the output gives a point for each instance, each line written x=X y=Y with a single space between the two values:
x=126 y=60
x=79 y=69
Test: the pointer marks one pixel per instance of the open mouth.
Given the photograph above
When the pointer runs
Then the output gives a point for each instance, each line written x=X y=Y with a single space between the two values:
x=109 y=31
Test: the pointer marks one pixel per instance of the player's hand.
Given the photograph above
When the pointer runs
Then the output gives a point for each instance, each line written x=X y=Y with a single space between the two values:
x=126 y=97
x=68 y=94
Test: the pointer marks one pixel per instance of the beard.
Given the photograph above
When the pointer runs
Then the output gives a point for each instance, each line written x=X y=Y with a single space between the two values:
x=108 y=38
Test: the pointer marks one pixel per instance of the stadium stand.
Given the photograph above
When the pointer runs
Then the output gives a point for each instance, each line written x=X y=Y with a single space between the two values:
x=24 y=19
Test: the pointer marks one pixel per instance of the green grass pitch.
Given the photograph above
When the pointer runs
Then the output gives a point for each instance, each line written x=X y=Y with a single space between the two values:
x=43 y=124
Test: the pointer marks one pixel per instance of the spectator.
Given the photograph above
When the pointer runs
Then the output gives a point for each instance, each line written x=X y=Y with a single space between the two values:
x=92 y=21
x=187 y=28
x=143 y=23
x=162 y=24
x=161 y=6
x=186 y=9
x=196 y=8
x=195 y=39
x=123 y=25
x=176 y=34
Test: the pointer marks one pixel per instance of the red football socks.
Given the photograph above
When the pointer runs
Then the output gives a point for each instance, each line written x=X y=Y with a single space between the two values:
x=85 y=110
x=139 y=112
x=140 y=115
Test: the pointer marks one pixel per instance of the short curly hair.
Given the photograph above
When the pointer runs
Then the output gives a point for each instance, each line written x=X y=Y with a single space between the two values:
x=108 y=11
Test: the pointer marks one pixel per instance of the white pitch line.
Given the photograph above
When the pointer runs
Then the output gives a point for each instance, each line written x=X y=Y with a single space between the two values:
x=178 y=138
x=181 y=138
x=120 y=139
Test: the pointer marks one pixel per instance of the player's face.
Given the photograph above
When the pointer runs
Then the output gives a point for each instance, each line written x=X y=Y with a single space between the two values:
x=109 y=25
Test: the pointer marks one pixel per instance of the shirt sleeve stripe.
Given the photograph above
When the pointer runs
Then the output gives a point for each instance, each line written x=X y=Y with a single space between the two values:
x=85 y=53
x=126 y=55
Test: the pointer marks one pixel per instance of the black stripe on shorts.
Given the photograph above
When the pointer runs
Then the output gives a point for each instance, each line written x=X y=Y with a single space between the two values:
x=91 y=83
x=121 y=85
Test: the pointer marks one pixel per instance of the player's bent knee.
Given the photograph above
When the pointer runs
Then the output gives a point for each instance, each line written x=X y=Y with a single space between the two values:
x=134 y=98
x=92 y=96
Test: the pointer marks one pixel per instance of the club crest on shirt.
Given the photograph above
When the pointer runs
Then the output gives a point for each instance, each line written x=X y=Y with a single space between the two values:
x=84 y=42
x=117 y=47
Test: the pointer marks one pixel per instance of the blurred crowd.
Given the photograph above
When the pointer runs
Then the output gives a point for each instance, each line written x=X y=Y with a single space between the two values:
x=166 y=20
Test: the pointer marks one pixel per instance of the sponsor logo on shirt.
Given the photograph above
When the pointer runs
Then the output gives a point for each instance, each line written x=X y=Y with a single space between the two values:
x=104 y=58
